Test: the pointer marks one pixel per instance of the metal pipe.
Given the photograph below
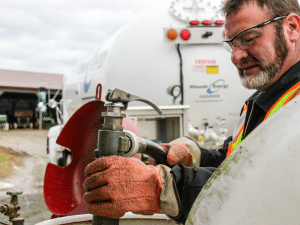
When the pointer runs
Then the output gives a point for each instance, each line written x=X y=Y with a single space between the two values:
x=153 y=150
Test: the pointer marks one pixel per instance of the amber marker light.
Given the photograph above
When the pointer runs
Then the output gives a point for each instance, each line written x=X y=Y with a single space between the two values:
x=172 y=35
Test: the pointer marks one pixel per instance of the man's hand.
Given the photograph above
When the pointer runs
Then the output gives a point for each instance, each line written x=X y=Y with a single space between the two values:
x=116 y=185
x=184 y=151
x=177 y=153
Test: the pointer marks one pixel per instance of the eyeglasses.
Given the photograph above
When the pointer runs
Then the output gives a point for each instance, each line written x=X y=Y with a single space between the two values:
x=244 y=40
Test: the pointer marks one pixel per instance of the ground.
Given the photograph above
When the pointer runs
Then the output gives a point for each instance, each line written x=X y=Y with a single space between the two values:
x=22 y=168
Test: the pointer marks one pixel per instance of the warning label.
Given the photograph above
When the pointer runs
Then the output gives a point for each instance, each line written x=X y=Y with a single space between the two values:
x=212 y=69
x=207 y=66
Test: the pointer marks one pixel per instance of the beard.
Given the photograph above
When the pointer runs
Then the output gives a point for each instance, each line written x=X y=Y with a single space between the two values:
x=267 y=72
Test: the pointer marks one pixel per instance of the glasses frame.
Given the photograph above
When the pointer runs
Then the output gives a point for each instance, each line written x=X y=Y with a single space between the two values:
x=230 y=43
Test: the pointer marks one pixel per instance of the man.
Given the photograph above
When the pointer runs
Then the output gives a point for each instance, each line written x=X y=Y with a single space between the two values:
x=264 y=46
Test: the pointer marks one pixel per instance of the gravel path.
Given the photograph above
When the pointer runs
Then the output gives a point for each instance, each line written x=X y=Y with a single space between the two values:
x=33 y=142
x=29 y=178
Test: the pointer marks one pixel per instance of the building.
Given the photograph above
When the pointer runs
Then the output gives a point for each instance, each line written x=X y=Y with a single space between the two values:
x=19 y=95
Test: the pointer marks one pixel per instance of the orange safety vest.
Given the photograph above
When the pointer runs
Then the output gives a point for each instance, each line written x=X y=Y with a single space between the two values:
x=285 y=98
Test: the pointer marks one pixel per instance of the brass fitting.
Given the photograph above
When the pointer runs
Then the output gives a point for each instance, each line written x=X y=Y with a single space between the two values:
x=11 y=209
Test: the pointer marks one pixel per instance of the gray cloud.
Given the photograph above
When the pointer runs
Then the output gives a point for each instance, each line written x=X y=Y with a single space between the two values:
x=50 y=36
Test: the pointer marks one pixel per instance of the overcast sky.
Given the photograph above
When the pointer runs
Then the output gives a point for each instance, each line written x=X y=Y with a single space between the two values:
x=50 y=36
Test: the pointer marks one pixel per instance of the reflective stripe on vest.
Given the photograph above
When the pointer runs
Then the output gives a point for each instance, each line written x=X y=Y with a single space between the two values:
x=284 y=99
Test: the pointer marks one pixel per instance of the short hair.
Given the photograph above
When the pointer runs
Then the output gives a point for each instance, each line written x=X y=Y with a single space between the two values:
x=276 y=7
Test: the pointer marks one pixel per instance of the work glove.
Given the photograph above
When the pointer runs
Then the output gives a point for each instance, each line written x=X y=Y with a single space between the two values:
x=183 y=151
x=116 y=185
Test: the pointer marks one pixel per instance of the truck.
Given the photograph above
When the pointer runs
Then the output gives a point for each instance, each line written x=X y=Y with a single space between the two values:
x=173 y=57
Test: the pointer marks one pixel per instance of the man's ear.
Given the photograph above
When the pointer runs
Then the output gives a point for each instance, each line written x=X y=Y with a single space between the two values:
x=292 y=23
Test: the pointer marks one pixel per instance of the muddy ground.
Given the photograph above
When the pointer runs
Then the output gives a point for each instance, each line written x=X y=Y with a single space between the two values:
x=22 y=168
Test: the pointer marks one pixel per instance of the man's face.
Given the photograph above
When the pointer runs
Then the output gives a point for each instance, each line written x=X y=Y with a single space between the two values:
x=262 y=60
x=268 y=71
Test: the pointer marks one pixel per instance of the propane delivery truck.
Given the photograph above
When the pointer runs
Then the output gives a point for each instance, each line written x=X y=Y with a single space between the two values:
x=172 y=57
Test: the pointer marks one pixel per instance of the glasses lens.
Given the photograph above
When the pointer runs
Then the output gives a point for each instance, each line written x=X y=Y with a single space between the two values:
x=228 y=46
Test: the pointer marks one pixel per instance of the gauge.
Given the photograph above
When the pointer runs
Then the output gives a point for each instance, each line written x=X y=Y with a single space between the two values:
x=188 y=10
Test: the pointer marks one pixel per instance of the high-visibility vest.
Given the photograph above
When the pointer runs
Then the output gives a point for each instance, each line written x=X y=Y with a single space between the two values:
x=285 y=98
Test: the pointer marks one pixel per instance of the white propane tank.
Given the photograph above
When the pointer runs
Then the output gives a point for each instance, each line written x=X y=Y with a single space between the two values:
x=259 y=182
x=140 y=59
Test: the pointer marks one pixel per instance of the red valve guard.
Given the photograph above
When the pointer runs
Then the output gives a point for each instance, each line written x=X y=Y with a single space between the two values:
x=63 y=186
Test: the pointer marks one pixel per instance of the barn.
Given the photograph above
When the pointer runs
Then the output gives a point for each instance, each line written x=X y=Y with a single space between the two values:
x=20 y=93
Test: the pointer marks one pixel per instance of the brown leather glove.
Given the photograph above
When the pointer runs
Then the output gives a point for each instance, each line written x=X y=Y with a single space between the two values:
x=116 y=185
x=183 y=150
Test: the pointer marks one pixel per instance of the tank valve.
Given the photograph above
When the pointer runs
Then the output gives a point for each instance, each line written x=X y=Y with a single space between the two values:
x=11 y=209
x=112 y=140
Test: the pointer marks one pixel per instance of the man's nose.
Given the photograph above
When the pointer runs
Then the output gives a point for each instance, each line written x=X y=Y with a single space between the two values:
x=238 y=55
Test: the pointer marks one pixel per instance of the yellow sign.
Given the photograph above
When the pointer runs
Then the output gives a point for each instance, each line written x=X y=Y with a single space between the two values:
x=212 y=69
